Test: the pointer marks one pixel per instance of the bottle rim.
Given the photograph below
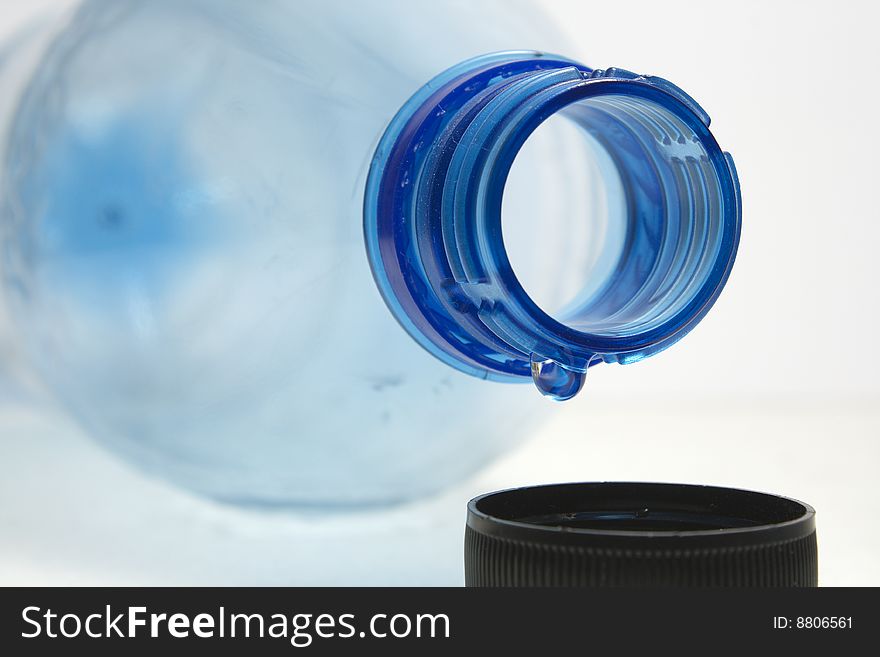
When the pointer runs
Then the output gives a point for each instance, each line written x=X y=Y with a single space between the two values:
x=410 y=213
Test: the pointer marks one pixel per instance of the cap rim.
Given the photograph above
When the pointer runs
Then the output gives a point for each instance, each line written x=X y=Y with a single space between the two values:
x=766 y=533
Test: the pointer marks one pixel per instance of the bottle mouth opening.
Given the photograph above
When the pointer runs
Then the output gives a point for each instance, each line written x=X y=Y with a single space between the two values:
x=434 y=232
x=563 y=215
x=637 y=509
x=660 y=238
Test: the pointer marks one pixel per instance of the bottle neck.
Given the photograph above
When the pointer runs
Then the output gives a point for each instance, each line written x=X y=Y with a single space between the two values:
x=433 y=219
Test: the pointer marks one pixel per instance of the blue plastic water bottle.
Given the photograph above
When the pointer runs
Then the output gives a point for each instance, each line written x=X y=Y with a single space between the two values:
x=257 y=248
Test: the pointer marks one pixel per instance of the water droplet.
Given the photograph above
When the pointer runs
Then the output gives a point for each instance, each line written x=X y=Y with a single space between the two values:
x=555 y=381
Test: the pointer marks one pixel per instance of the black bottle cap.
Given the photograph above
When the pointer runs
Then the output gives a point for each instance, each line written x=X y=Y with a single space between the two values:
x=639 y=534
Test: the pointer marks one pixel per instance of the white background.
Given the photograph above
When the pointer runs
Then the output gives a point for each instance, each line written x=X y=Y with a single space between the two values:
x=776 y=390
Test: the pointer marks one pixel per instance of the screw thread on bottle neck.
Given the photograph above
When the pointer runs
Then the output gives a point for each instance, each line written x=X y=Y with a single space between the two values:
x=433 y=218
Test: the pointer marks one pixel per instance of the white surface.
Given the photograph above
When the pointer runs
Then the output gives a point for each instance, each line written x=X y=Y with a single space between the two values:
x=71 y=515
x=776 y=390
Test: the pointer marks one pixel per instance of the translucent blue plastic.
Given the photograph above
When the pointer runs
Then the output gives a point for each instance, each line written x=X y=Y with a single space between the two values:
x=183 y=252
x=188 y=186
x=434 y=226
